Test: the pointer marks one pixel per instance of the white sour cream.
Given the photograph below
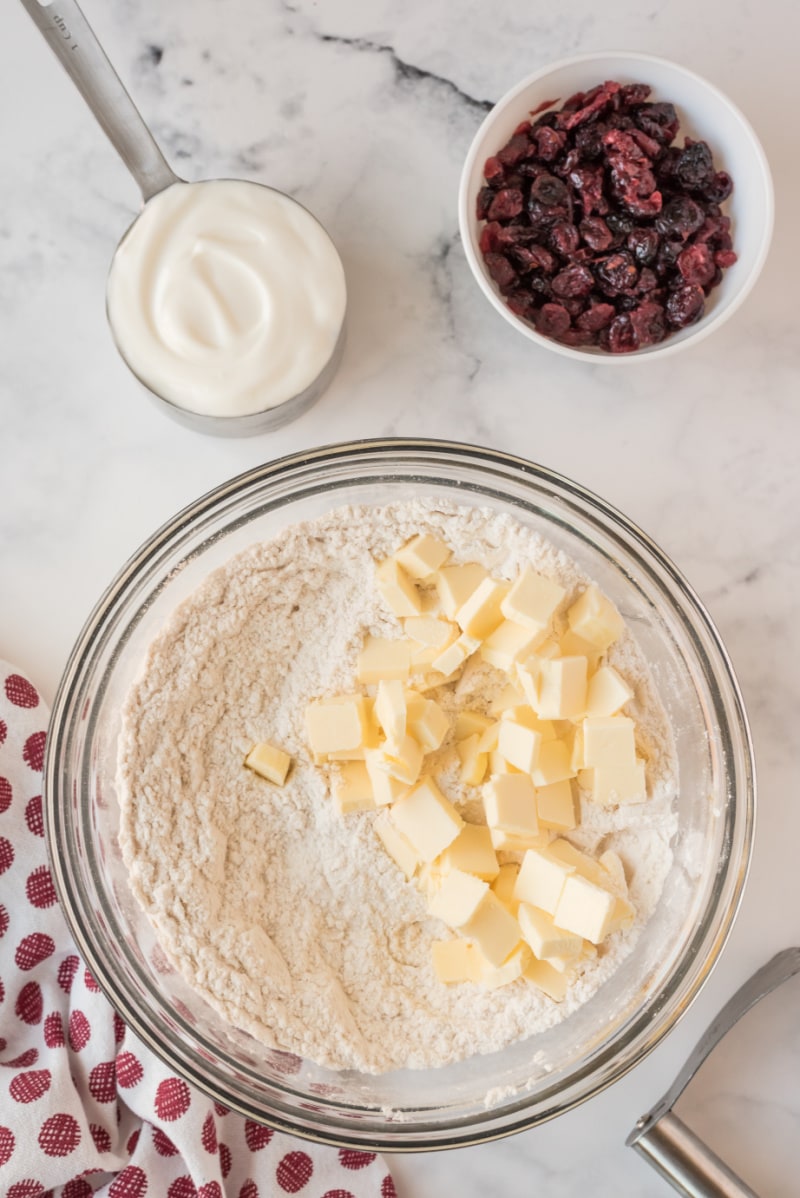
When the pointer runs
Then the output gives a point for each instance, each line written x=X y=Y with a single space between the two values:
x=226 y=297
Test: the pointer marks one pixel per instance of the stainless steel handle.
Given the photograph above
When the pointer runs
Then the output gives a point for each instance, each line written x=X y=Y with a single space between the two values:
x=71 y=38
x=687 y=1163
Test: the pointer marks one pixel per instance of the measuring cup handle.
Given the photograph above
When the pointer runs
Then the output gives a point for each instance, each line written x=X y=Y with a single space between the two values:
x=70 y=36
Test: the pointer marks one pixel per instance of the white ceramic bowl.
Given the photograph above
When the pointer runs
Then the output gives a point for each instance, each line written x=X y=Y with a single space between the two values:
x=704 y=112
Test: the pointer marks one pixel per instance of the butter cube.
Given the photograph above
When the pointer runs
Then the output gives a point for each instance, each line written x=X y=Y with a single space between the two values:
x=458 y=898
x=553 y=763
x=473 y=761
x=585 y=909
x=509 y=696
x=427 y=819
x=555 y=806
x=397 y=846
x=533 y=600
x=481 y=614
x=493 y=928
x=270 y=763
x=431 y=631
x=489 y=738
x=456 y=961
x=455 y=584
x=509 y=801
x=428 y=724
x=545 y=978
x=470 y=723
x=383 y=659
x=507 y=644
x=543 y=935
x=622 y=917
x=386 y=789
x=472 y=852
x=390 y=708
x=541 y=880
x=595 y=618
x=492 y=977
x=613 y=866
x=561 y=690
x=397 y=589
x=608 y=741
x=454 y=656
x=515 y=842
x=572 y=645
x=352 y=789
x=402 y=760
x=624 y=783
x=519 y=744
x=582 y=862
x=499 y=765
x=503 y=885
x=336 y=725
x=607 y=692
x=429 y=877
x=422 y=556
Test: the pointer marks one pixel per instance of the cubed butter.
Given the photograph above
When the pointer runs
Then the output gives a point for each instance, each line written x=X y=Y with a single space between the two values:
x=595 y=618
x=612 y=864
x=427 y=819
x=390 y=708
x=336 y=725
x=607 y=692
x=456 y=961
x=494 y=976
x=422 y=556
x=470 y=723
x=555 y=806
x=585 y=909
x=541 y=880
x=586 y=865
x=509 y=696
x=545 y=978
x=386 y=789
x=515 y=842
x=473 y=761
x=533 y=600
x=472 y=852
x=428 y=724
x=396 y=844
x=454 y=656
x=270 y=763
x=458 y=898
x=572 y=645
x=431 y=631
x=509 y=801
x=624 y=783
x=543 y=935
x=561 y=688
x=397 y=589
x=401 y=760
x=553 y=763
x=384 y=659
x=608 y=741
x=481 y=614
x=508 y=644
x=493 y=928
x=499 y=765
x=503 y=885
x=455 y=584
x=519 y=744
x=352 y=788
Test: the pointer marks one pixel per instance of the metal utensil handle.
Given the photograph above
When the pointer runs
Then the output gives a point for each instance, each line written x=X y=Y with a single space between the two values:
x=687 y=1163
x=71 y=38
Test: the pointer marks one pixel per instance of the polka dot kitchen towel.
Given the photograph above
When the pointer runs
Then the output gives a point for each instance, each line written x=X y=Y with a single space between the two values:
x=85 y=1109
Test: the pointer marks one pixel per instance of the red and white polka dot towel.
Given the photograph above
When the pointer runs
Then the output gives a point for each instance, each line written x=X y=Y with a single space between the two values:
x=85 y=1109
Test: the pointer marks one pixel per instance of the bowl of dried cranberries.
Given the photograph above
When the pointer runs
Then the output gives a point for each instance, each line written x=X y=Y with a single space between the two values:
x=615 y=206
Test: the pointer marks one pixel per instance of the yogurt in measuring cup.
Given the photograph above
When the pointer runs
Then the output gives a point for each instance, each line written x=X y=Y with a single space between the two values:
x=226 y=298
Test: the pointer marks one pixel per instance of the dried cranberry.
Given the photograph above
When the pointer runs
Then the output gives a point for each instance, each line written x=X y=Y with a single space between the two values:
x=515 y=150
x=588 y=182
x=616 y=273
x=494 y=171
x=550 y=143
x=507 y=202
x=620 y=337
x=649 y=323
x=695 y=167
x=589 y=141
x=578 y=338
x=596 y=317
x=696 y=264
x=483 y=202
x=552 y=320
x=648 y=280
x=725 y=258
x=685 y=305
x=488 y=240
x=720 y=187
x=574 y=282
x=548 y=190
x=522 y=305
x=533 y=257
x=659 y=121
x=501 y=271
x=681 y=217
x=564 y=238
x=596 y=233
x=634 y=93
x=643 y=244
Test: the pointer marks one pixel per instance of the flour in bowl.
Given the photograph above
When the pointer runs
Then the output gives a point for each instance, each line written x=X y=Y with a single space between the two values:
x=290 y=919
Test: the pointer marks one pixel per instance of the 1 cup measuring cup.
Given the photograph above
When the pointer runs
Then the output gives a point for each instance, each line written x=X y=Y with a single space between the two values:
x=226 y=298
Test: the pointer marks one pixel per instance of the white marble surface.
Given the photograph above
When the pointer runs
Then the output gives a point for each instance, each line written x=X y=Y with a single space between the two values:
x=364 y=112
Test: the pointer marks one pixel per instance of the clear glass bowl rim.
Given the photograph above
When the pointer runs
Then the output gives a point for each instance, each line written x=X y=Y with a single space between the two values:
x=365 y=1128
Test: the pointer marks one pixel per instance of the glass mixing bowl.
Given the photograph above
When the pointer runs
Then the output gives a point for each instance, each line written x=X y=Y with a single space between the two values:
x=486 y=1096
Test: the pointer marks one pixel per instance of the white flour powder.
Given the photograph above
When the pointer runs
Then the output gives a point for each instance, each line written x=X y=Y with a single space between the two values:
x=288 y=918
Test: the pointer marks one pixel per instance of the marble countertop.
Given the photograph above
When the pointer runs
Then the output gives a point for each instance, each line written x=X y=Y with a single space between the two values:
x=365 y=115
